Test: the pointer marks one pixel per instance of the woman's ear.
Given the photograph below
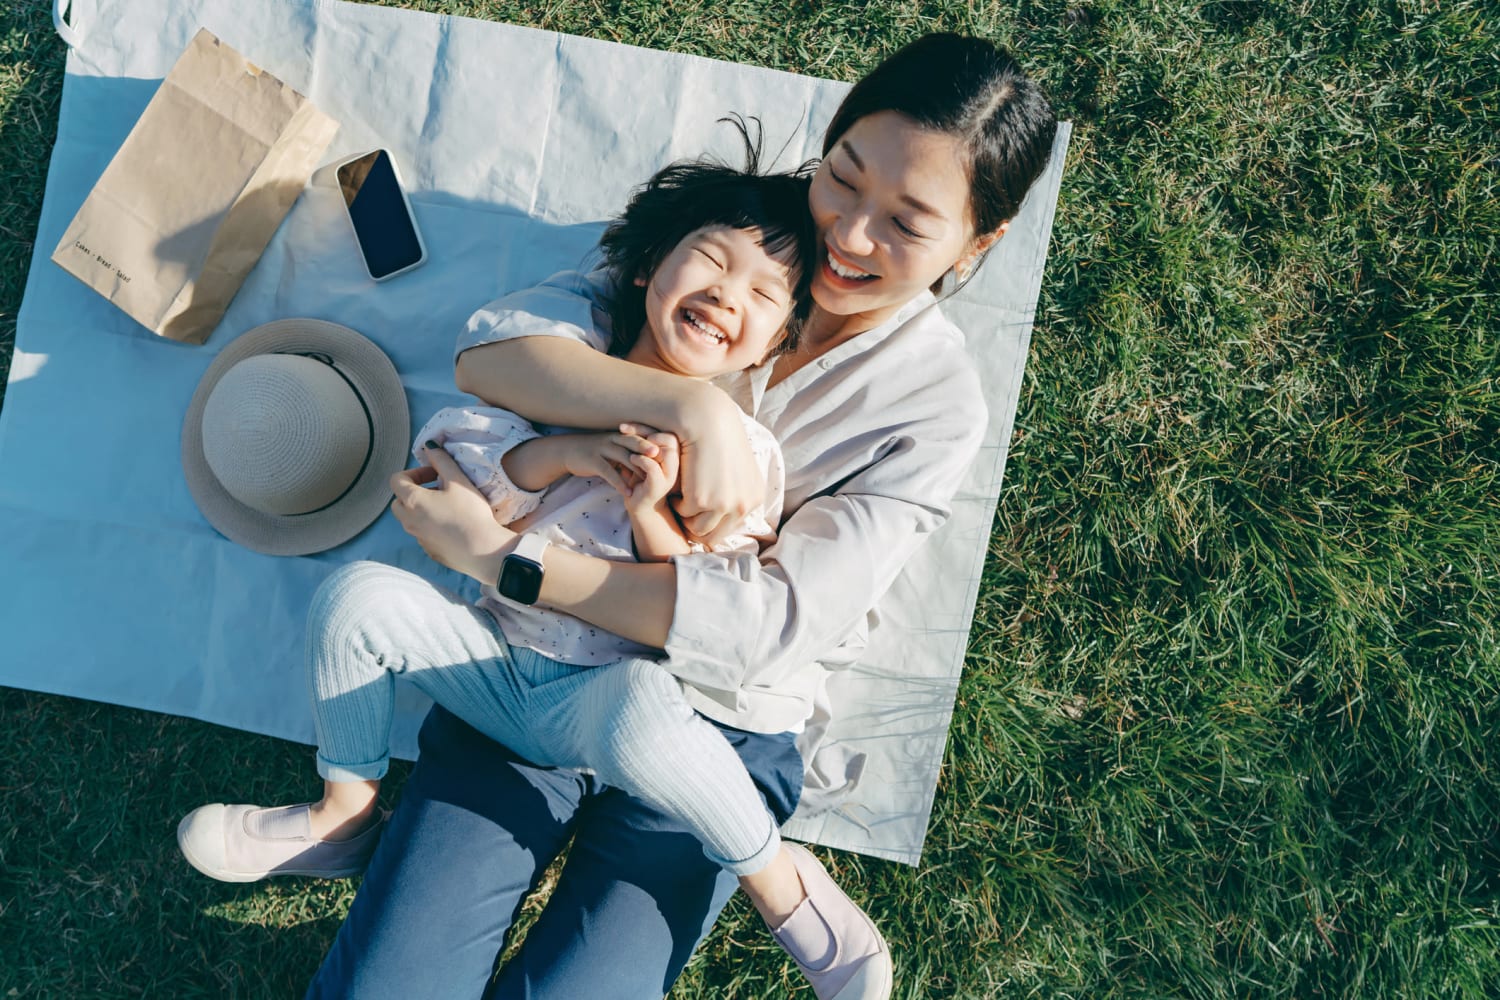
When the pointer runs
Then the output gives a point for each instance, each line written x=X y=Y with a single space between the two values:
x=977 y=249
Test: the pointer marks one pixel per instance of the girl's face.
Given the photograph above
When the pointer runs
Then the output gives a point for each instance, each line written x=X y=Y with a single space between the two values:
x=718 y=303
x=891 y=203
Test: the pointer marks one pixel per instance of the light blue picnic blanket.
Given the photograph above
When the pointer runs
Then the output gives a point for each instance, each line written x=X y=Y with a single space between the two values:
x=515 y=144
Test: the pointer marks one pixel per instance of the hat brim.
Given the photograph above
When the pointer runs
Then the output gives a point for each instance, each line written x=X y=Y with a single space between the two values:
x=377 y=382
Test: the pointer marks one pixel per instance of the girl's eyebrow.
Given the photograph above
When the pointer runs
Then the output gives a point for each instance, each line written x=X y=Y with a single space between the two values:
x=773 y=271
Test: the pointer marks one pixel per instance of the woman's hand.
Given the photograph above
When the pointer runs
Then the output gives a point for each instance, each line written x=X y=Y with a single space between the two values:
x=452 y=521
x=721 y=481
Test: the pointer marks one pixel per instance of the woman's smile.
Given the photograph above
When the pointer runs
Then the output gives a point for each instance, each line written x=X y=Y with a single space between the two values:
x=844 y=271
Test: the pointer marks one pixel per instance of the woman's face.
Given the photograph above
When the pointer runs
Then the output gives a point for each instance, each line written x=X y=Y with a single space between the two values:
x=891 y=203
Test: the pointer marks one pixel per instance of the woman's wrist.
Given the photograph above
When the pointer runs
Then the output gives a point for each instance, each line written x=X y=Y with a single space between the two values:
x=635 y=600
x=699 y=410
x=485 y=565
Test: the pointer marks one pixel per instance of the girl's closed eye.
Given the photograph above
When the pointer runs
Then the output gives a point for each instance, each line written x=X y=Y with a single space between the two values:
x=712 y=259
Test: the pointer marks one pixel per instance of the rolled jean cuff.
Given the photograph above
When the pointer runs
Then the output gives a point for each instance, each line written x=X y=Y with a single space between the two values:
x=758 y=860
x=371 y=771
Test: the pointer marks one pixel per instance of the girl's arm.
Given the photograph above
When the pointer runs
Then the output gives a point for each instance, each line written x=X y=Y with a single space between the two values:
x=658 y=536
x=536 y=464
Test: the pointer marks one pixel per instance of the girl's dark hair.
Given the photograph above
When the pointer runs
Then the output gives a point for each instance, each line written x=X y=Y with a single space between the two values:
x=973 y=90
x=686 y=197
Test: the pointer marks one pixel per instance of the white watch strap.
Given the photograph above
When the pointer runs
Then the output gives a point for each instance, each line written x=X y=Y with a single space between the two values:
x=530 y=546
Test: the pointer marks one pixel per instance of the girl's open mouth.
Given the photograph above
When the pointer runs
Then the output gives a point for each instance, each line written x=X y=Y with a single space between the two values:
x=709 y=331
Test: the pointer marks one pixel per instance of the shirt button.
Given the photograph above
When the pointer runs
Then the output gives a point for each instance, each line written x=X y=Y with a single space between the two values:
x=825 y=363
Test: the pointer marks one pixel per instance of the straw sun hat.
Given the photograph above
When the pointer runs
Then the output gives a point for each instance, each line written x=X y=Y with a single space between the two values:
x=292 y=434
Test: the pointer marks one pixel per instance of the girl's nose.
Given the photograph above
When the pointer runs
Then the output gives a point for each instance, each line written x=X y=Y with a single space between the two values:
x=724 y=296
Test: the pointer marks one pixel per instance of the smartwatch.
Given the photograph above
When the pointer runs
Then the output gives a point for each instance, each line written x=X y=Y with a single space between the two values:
x=521 y=573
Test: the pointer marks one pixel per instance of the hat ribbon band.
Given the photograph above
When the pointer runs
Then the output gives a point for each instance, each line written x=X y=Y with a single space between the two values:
x=369 y=425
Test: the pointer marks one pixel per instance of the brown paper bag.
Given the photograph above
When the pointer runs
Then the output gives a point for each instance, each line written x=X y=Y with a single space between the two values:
x=190 y=201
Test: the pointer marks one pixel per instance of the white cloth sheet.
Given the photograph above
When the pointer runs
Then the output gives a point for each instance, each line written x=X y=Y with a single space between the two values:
x=515 y=144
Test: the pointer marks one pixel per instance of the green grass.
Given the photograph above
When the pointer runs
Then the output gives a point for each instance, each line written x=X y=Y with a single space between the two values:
x=1230 y=723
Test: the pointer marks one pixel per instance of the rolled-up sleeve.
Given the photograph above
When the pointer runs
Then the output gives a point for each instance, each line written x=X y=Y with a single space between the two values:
x=742 y=623
x=570 y=304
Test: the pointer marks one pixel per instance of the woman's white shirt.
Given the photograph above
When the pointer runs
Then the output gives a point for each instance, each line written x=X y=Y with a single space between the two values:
x=877 y=436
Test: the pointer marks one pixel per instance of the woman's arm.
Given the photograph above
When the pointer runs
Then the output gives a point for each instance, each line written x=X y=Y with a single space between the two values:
x=565 y=382
x=531 y=353
x=725 y=620
x=552 y=380
x=454 y=526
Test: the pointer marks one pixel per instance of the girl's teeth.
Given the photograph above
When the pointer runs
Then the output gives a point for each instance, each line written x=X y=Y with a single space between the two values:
x=846 y=272
x=715 y=335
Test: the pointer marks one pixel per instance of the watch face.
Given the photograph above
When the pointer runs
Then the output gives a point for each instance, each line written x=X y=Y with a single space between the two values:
x=520 y=580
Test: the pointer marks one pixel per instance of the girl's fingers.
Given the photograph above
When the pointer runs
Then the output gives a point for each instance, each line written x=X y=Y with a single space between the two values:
x=610 y=473
x=663 y=440
x=616 y=454
x=651 y=472
x=641 y=430
x=628 y=476
x=634 y=443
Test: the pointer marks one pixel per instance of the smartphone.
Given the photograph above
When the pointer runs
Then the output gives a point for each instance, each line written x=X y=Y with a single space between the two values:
x=383 y=222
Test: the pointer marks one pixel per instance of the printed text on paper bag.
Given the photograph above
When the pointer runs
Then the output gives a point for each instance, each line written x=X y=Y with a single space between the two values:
x=78 y=245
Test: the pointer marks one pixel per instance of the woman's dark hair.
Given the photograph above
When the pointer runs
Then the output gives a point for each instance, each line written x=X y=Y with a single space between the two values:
x=973 y=90
x=686 y=197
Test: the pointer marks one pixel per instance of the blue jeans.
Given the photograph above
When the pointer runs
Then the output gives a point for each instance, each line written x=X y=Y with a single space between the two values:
x=476 y=827
x=371 y=626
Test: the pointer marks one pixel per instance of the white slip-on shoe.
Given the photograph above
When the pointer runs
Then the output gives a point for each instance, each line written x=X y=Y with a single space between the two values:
x=224 y=842
x=858 y=965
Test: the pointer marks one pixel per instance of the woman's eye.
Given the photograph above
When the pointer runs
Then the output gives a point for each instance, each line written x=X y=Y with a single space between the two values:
x=839 y=180
x=907 y=230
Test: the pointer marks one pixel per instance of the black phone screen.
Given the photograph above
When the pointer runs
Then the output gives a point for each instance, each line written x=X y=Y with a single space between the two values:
x=382 y=223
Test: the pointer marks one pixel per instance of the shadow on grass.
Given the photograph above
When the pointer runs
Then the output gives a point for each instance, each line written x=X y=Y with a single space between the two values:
x=96 y=899
x=31 y=76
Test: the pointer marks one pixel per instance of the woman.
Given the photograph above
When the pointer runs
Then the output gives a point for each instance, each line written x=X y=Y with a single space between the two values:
x=879 y=414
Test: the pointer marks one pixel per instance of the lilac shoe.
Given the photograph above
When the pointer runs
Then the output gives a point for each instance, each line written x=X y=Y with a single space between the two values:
x=851 y=961
x=244 y=843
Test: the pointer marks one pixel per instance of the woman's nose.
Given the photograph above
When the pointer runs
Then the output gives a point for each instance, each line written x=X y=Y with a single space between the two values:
x=852 y=232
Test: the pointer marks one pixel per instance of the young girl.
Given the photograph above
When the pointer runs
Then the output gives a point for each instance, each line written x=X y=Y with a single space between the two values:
x=713 y=268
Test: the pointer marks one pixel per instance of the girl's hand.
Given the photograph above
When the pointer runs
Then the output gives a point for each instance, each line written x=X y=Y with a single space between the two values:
x=610 y=456
x=453 y=521
x=657 y=475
